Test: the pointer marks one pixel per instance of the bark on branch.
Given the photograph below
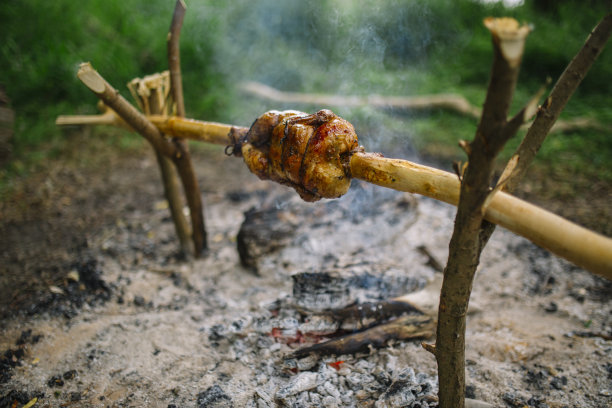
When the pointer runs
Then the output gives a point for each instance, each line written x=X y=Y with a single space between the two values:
x=559 y=96
x=183 y=158
x=465 y=246
x=151 y=93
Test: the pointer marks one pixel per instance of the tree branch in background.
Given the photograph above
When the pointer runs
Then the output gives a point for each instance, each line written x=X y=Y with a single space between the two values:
x=450 y=102
x=556 y=101
x=183 y=158
x=465 y=246
x=547 y=115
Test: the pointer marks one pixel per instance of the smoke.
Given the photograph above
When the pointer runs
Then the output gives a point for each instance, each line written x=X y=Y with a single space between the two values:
x=338 y=47
x=327 y=46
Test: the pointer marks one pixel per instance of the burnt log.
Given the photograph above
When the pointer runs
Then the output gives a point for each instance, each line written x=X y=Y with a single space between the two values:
x=342 y=287
x=408 y=327
x=263 y=232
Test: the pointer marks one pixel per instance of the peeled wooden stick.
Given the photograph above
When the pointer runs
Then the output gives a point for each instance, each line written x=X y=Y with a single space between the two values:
x=107 y=117
x=209 y=132
x=578 y=245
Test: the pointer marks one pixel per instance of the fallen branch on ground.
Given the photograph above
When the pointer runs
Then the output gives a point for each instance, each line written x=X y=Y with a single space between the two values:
x=451 y=102
x=403 y=328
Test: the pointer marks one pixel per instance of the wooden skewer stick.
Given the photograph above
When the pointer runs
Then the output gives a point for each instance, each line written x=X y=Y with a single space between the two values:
x=578 y=245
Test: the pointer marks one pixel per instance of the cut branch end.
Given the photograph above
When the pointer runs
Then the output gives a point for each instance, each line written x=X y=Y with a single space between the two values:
x=429 y=347
x=510 y=36
x=91 y=78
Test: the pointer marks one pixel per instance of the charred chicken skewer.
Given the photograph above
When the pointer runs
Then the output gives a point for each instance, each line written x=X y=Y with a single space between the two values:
x=318 y=155
x=307 y=152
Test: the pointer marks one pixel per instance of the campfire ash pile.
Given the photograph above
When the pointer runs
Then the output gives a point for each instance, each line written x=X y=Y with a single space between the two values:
x=314 y=346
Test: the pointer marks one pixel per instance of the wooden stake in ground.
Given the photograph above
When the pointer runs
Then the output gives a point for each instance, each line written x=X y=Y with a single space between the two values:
x=183 y=159
x=152 y=94
x=166 y=147
x=465 y=246
x=471 y=232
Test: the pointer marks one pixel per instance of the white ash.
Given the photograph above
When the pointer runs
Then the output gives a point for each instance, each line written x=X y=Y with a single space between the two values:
x=331 y=381
x=211 y=320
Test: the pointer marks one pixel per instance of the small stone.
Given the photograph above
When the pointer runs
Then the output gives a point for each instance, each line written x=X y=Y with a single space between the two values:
x=214 y=397
x=305 y=381
x=559 y=382
x=330 y=402
x=55 y=381
x=69 y=375
x=139 y=300
x=551 y=307
x=470 y=391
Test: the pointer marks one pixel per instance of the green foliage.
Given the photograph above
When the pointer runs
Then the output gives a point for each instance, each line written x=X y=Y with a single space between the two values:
x=43 y=43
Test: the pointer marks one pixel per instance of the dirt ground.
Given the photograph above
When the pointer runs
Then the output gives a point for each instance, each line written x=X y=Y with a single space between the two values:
x=98 y=309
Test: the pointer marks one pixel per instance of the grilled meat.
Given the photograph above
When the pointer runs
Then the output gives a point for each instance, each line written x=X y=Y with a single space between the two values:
x=307 y=152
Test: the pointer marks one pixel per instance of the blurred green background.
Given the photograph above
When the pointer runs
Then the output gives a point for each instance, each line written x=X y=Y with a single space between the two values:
x=395 y=47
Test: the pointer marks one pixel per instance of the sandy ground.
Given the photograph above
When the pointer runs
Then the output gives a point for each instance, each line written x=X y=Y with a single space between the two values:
x=107 y=297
